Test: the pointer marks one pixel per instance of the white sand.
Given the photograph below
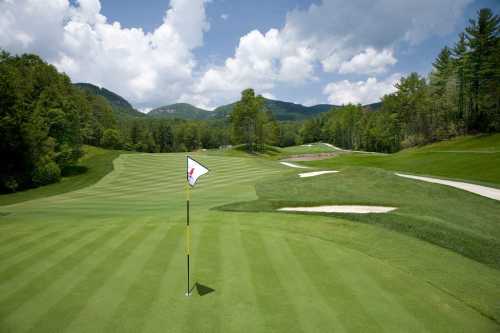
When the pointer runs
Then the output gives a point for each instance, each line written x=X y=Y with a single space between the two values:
x=484 y=191
x=292 y=165
x=315 y=173
x=352 y=151
x=340 y=209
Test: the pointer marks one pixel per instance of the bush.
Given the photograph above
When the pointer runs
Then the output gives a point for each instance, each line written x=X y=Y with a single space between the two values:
x=111 y=139
x=47 y=174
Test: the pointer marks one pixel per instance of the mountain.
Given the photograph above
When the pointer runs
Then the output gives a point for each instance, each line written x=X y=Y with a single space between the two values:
x=281 y=110
x=373 y=106
x=181 y=111
x=121 y=107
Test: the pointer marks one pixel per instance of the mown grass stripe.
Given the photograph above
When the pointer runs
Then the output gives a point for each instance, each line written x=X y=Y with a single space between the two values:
x=24 y=241
x=207 y=272
x=131 y=313
x=15 y=268
x=52 y=293
x=313 y=312
x=273 y=302
x=236 y=283
x=36 y=283
x=169 y=305
x=60 y=316
x=101 y=306
x=335 y=292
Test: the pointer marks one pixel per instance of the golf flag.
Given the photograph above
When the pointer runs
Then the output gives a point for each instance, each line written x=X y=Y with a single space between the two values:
x=194 y=171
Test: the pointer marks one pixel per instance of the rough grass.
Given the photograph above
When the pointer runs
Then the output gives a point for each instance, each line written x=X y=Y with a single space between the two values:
x=94 y=165
x=110 y=257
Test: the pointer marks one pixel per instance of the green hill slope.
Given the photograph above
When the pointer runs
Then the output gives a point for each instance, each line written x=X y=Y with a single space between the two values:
x=121 y=107
x=180 y=111
x=94 y=165
x=472 y=158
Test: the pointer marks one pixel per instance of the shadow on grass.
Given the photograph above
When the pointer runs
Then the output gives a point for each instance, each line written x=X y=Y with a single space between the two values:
x=202 y=289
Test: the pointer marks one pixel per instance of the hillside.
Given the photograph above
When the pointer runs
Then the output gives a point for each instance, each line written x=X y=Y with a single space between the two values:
x=469 y=158
x=282 y=110
x=181 y=111
x=121 y=107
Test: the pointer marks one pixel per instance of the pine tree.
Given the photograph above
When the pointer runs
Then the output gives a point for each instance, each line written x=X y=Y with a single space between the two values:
x=462 y=73
x=482 y=38
x=443 y=69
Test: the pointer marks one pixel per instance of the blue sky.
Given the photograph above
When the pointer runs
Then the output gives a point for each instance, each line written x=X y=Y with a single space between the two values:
x=206 y=52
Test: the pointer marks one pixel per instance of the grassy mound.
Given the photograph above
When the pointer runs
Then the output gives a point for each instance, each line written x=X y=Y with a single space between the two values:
x=94 y=165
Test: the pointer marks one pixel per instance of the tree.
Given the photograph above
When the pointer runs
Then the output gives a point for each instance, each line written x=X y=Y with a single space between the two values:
x=462 y=73
x=111 y=139
x=482 y=38
x=247 y=119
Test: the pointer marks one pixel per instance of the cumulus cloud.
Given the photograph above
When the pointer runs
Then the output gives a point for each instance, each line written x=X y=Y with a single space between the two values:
x=147 y=68
x=344 y=37
x=159 y=67
x=363 y=92
x=224 y=16
x=368 y=62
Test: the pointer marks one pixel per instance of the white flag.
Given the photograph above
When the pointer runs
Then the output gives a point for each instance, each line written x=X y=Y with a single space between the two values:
x=194 y=170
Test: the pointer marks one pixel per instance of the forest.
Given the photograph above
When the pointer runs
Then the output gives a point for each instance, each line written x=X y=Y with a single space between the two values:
x=45 y=120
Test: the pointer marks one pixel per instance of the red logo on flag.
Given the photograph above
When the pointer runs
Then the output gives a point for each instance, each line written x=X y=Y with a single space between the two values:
x=190 y=174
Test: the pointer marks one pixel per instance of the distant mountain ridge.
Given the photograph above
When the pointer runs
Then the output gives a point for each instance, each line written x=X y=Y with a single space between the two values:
x=180 y=110
x=121 y=107
x=283 y=111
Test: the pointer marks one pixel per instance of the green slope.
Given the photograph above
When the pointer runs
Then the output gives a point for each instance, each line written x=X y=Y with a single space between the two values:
x=469 y=158
x=181 y=111
x=95 y=164
x=110 y=257
x=121 y=107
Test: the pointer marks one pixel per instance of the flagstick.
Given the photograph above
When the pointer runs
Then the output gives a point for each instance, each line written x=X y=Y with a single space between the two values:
x=188 y=238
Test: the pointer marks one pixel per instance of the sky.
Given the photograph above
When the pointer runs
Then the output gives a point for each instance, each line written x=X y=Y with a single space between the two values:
x=205 y=52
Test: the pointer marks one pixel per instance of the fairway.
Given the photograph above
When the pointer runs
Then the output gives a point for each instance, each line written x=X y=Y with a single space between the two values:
x=110 y=257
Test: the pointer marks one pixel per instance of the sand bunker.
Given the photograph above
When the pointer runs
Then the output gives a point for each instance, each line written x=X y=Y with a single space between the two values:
x=484 y=191
x=292 y=165
x=315 y=173
x=340 y=209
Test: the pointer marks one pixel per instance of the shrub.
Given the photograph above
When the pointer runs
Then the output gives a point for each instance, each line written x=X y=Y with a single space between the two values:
x=47 y=174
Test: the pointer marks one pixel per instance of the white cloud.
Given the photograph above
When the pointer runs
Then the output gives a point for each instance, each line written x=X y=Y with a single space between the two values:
x=344 y=37
x=368 y=62
x=268 y=95
x=147 y=68
x=145 y=110
x=159 y=67
x=363 y=92
x=224 y=16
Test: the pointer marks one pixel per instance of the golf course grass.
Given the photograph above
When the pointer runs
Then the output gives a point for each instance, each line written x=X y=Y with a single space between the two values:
x=94 y=165
x=470 y=158
x=110 y=256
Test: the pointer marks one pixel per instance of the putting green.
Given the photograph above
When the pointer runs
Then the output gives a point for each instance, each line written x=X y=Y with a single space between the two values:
x=110 y=257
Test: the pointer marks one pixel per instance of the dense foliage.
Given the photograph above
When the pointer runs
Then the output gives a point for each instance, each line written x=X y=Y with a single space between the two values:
x=44 y=121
